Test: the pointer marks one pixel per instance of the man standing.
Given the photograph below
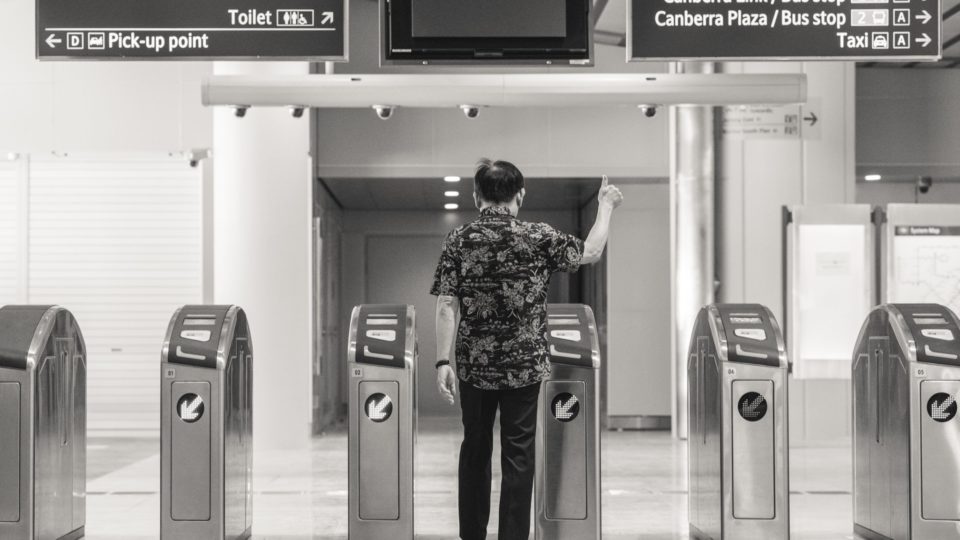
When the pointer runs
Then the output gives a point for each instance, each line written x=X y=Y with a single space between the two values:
x=491 y=285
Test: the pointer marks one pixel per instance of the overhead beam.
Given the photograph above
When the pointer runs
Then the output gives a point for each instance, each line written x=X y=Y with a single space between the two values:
x=514 y=90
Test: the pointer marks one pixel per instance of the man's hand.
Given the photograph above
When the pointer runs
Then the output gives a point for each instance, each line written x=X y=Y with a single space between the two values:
x=610 y=195
x=447 y=383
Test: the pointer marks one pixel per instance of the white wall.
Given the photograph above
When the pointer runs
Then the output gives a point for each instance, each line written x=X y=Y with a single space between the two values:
x=94 y=106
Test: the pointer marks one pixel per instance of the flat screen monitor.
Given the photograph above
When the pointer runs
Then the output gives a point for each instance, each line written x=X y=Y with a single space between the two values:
x=483 y=31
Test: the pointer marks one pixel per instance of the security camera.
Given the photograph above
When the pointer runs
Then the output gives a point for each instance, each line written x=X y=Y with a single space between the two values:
x=924 y=183
x=296 y=112
x=241 y=111
x=384 y=112
x=470 y=111
x=197 y=155
x=649 y=110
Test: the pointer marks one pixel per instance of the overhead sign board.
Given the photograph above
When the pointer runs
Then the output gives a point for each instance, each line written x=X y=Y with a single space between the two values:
x=190 y=30
x=873 y=30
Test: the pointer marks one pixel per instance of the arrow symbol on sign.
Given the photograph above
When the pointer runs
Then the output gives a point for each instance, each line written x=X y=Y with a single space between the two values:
x=751 y=408
x=924 y=17
x=812 y=119
x=939 y=410
x=188 y=410
x=327 y=18
x=563 y=409
x=925 y=40
x=376 y=410
x=53 y=41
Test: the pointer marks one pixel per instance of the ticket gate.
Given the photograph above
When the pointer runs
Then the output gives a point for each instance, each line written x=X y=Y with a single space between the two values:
x=567 y=485
x=737 y=445
x=43 y=424
x=382 y=357
x=206 y=425
x=906 y=381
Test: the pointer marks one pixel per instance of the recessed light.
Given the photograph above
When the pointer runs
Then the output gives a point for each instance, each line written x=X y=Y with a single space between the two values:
x=451 y=179
x=873 y=178
x=451 y=193
x=451 y=206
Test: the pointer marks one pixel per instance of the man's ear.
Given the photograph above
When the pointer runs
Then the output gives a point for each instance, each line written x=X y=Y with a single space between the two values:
x=520 y=196
x=476 y=200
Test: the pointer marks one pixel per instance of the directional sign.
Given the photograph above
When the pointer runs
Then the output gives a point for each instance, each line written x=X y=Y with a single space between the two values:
x=565 y=407
x=378 y=407
x=187 y=29
x=752 y=406
x=942 y=407
x=784 y=29
x=190 y=408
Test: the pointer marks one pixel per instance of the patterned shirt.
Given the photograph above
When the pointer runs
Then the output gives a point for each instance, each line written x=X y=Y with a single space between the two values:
x=499 y=268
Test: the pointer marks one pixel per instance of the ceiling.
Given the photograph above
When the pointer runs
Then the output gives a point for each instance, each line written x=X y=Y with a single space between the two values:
x=428 y=193
x=611 y=24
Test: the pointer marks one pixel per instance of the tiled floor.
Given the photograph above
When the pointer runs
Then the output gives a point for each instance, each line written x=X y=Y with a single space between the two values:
x=303 y=495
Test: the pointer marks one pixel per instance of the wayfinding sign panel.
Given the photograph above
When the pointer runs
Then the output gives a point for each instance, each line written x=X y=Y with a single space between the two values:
x=873 y=30
x=187 y=29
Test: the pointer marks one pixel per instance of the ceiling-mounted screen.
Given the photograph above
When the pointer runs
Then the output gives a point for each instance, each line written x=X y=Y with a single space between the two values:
x=485 y=31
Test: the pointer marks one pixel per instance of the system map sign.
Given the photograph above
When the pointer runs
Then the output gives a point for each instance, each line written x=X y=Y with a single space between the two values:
x=187 y=29
x=926 y=265
x=784 y=29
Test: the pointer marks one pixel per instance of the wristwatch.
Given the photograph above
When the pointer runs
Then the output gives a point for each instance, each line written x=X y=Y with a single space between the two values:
x=442 y=363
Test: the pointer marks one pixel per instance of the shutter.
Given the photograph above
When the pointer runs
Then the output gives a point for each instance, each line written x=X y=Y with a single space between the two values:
x=9 y=232
x=119 y=243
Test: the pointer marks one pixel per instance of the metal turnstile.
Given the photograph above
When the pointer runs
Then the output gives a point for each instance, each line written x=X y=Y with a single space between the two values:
x=382 y=357
x=206 y=425
x=737 y=445
x=43 y=424
x=567 y=491
x=906 y=442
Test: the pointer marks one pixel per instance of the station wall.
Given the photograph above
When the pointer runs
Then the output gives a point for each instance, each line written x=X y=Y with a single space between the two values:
x=94 y=106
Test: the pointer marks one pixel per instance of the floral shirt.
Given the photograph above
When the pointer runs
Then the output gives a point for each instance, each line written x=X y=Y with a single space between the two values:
x=499 y=268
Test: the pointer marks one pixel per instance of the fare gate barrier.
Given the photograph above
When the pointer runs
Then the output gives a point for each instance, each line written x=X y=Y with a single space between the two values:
x=206 y=430
x=906 y=381
x=567 y=485
x=737 y=445
x=43 y=424
x=382 y=358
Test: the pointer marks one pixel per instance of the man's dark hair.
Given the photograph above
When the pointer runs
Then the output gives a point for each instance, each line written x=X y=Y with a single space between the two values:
x=497 y=182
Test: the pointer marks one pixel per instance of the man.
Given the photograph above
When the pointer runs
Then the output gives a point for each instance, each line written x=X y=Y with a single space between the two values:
x=491 y=285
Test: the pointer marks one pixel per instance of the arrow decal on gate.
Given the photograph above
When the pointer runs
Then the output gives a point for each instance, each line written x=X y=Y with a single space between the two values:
x=942 y=407
x=565 y=407
x=379 y=407
x=190 y=408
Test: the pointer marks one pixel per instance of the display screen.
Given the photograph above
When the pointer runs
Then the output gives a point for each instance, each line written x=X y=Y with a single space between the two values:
x=489 y=18
x=745 y=319
x=928 y=320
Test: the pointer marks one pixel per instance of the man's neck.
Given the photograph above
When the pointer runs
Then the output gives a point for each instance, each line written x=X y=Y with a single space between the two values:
x=511 y=207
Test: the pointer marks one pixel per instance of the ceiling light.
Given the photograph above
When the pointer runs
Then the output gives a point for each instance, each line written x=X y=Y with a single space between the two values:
x=451 y=179
x=451 y=206
x=451 y=193
x=873 y=178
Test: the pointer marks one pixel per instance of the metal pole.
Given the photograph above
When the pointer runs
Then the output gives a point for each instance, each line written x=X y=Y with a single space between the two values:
x=692 y=174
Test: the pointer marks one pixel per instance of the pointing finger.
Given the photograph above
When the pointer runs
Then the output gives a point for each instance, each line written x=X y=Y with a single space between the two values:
x=605 y=183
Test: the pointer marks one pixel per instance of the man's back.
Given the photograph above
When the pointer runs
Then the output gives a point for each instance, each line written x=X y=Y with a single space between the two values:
x=500 y=267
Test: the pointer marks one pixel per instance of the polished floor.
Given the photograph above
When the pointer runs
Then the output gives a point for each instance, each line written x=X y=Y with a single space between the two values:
x=303 y=495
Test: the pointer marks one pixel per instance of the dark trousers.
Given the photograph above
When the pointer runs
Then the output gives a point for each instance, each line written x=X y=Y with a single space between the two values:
x=518 y=430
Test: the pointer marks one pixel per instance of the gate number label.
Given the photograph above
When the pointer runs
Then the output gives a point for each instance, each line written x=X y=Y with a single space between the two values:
x=565 y=407
x=378 y=407
x=942 y=407
x=752 y=406
x=190 y=408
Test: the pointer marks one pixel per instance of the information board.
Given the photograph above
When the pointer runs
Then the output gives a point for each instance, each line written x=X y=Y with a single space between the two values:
x=187 y=29
x=784 y=29
x=926 y=265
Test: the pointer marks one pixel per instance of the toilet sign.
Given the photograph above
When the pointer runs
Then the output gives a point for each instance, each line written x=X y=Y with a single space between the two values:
x=190 y=408
x=942 y=407
x=752 y=406
x=565 y=407
x=378 y=407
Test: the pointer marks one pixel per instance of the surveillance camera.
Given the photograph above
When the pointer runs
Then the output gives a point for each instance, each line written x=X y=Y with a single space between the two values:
x=924 y=183
x=197 y=155
x=649 y=110
x=470 y=111
x=384 y=112
x=241 y=111
x=296 y=112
